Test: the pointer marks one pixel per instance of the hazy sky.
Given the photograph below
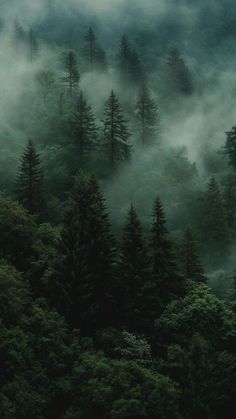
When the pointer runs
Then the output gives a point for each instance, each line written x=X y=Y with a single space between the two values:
x=30 y=10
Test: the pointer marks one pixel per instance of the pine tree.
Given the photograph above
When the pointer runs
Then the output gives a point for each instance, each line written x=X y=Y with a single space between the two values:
x=177 y=77
x=133 y=272
x=230 y=202
x=215 y=220
x=136 y=70
x=72 y=76
x=29 y=183
x=116 y=133
x=94 y=56
x=190 y=264
x=147 y=115
x=167 y=283
x=129 y=64
x=230 y=146
x=87 y=254
x=124 y=54
x=85 y=131
x=33 y=45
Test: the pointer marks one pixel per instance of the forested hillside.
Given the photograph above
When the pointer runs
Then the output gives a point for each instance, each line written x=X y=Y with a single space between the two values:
x=117 y=209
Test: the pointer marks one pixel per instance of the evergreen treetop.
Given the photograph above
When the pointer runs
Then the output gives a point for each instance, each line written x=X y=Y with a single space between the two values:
x=116 y=133
x=147 y=115
x=191 y=266
x=85 y=131
x=30 y=181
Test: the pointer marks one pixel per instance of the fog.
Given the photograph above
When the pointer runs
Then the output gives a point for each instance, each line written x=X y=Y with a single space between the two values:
x=191 y=129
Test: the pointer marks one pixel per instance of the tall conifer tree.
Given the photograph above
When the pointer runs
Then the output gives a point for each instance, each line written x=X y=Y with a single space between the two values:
x=147 y=116
x=190 y=264
x=230 y=202
x=93 y=55
x=129 y=64
x=116 y=133
x=176 y=77
x=180 y=73
x=72 y=76
x=230 y=146
x=167 y=282
x=29 y=182
x=85 y=131
x=215 y=220
x=134 y=272
x=87 y=254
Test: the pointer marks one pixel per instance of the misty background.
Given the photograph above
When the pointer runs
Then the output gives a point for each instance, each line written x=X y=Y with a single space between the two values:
x=191 y=149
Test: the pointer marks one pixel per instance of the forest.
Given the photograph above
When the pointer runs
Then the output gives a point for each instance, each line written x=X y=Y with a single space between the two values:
x=117 y=209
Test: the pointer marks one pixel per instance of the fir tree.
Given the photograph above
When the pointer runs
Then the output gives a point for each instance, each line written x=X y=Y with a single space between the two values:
x=94 y=56
x=136 y=70
x=29 y=183
x=124 y=54
x=116 y=133
x=133 y=269
x=147 y=115
x=190 y=264
x=177 y=77
x=167 y=283
x=33 y=45
x=85 y=131
x=230 y=146
x=230 y=202
x=72 y=76
x=129 y=63
x=215 y=221
x=87 y=254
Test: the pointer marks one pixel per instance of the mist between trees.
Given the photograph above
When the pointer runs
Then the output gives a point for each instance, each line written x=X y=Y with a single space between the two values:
x=117 y=210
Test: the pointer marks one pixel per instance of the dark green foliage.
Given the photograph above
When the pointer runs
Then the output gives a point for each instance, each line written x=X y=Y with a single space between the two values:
x=190 y=264
x=135 y=347
x=215 y=220
x=167 y=283
x=133 y=271
x=17 y=231
x=207 y=378
x=116 y=134
x=177 y=78
x=181 y=75
x=72 y=77
x=84 y=129
x=129 y=64
x=147 y=115
x=87 y=248
x=14 y=294
x=201 y=357
x=120 y=389
x=230 y=146
x=30 y=183
x=43 y=259
x=151 y=340
x=199 y=312
x=230 y=203
x=93 y=55
x=36 y=356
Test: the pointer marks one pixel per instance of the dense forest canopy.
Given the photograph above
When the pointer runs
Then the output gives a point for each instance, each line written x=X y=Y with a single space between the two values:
x=117 y=209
